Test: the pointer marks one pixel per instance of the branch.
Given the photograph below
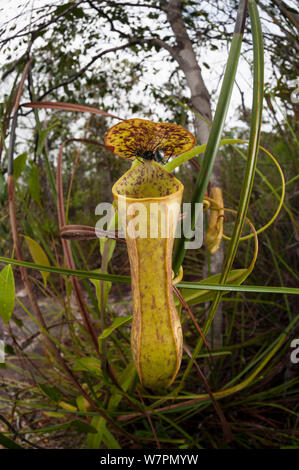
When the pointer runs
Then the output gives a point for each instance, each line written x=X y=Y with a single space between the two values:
x=292 y=18
x=34 y=36
x=153 y=41
x=160 y=43
x=110 y=21
x=86 y=67
x=16 y=434
x=16 y=63
x=44 y=25
x=126 y=4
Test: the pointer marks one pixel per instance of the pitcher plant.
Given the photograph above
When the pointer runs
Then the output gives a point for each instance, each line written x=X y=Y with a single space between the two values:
x=148 y=199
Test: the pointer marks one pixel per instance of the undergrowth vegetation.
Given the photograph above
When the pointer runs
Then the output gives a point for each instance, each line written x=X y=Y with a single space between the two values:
x=68 y=380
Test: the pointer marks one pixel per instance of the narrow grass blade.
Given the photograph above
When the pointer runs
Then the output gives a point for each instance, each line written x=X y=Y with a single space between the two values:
x=216 y=128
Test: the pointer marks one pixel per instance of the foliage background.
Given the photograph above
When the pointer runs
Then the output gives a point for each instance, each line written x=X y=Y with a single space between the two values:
x=116 y=57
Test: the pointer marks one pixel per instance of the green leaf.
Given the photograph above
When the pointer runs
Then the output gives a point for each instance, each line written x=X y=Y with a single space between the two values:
x=78 y=12
x=41 y=141
x=38 y=256
x=112 y=225
x=106 y=288
x=42 y=137
x=67 y=406
x=116 y=324
x=78 y=425
x=110 y=441
x=18 y=321
x=9 y=349
x=125 y=379
x=69 y=272
x=107 y=247
x=126 y=279
x=19 y=164
x=52 y=392
x=8 y=443
x=82 y=403
x=94 y=440
x=61 y=9
x=112 y=244
x=7 y=293
x=3 y=188
x=192 y=297
x=81 y=426
x=33 y=184
x=89 y=364
x=54 y=414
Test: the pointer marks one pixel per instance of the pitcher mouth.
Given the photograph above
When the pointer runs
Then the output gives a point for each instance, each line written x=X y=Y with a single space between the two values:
x=145 y=182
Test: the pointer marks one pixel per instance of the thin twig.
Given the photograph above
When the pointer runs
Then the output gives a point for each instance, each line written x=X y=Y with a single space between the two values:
x=67 y=247
x=225 y=426
x=16 y=434
x=186 y=306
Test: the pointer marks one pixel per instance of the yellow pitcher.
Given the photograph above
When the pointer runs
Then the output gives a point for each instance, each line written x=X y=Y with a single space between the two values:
x=148 y=200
